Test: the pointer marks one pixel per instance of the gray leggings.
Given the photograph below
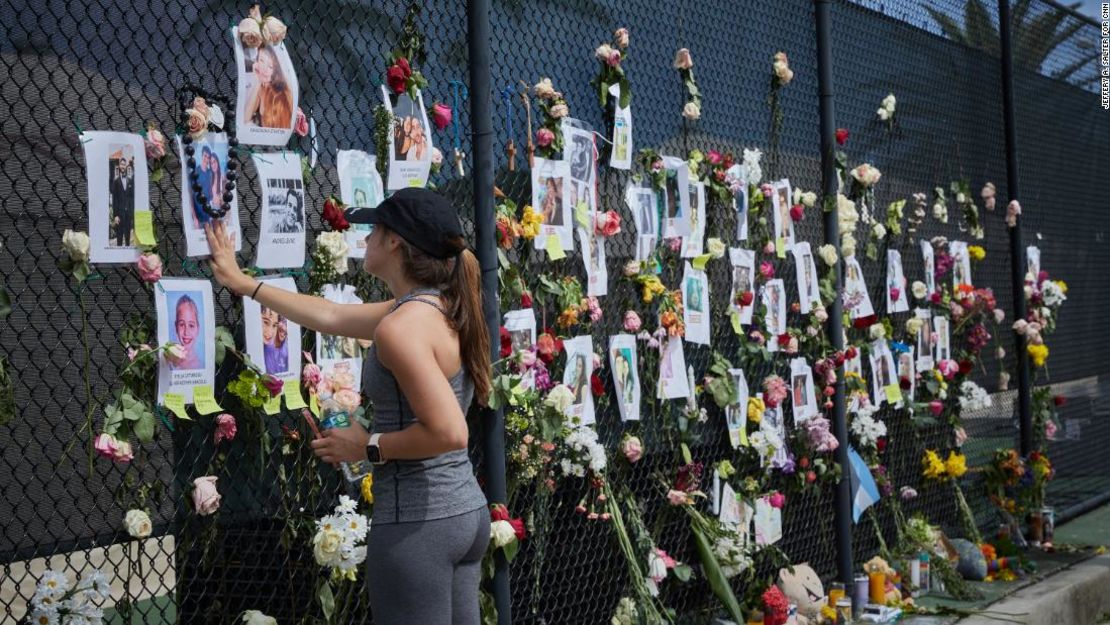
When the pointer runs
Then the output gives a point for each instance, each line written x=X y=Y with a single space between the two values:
x=427 y=571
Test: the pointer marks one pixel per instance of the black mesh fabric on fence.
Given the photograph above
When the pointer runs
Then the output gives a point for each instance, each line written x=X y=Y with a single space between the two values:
x=111 y=65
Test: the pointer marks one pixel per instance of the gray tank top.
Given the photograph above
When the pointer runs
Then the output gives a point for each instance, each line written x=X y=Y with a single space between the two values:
x=417 y=490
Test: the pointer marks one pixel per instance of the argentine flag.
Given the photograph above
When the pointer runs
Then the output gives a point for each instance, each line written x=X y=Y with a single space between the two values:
x=864 y=490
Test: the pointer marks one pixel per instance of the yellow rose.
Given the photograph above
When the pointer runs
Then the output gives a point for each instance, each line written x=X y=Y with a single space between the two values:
x=368 y=488
x=1039 y=353
x=756 y=408
x=531 y=222
x=956 y=464
x=976 y=252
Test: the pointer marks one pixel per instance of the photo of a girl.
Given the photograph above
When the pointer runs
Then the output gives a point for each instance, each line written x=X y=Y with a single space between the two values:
x=275 y=341
x=187 y=329
x=270 y=100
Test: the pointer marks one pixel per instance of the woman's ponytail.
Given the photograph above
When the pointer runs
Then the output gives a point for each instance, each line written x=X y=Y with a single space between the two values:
x=463 y=293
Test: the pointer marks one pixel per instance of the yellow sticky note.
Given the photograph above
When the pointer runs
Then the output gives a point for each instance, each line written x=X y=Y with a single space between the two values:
x=582 y=215
x=175 y=402
x=780 y=247
x=314 y=405
x=699 y=262
x=734 y=317
x=272 y=405
x=293 y=399
x=744 y=428
x=416 y=182
x=144 y=227
x=204 y=400
x=893 y=393
x=554 y=248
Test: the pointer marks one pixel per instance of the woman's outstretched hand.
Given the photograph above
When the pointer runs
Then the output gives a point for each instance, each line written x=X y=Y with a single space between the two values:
x=222 y=260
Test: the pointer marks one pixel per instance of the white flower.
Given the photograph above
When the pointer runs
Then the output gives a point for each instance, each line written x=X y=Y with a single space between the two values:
x=716 y=247
x=731 y=555
x=866 y=428
x=692 y=111
x=914 y=325
x=751 y=163
x=76 y=244
x=848 y=245
x=878 y=230
x=889 y=102
x=805 y=198
x=866 y=174
x=919 y=289
x=603 y=52
x=326 y=546
x=584 y=452
x=828 y=254
x=883 y=114
x=346 y=505
x=657 y=567
x=501 y=533
x=973 y=396
x=44 y=616
x=334 y=244
x=96 y=582
x=1052 y=293
x=137 y=523
x=559 y=398
x=254 y=617
x=877 y=331
x=544 y=90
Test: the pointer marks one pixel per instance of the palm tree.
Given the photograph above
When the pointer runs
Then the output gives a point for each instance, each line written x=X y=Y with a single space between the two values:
x=1035 y=37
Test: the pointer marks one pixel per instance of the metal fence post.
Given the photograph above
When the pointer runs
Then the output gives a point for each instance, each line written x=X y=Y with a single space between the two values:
x=835 y=324
x=481 y=125
x=1017 y=247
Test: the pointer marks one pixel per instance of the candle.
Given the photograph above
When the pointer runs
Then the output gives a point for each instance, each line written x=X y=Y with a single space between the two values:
x=876 y=584
x=836 y=592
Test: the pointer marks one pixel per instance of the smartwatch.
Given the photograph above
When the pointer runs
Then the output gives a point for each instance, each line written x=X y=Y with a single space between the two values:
x=373 y=452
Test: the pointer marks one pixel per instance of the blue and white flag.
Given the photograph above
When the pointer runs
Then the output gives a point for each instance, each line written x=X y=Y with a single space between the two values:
x=864 y=490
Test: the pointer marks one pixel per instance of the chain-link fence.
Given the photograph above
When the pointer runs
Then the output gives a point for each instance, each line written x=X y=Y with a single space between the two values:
x=110 y=65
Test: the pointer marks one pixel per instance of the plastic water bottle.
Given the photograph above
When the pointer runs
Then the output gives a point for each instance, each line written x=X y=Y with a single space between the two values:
x=354 y=471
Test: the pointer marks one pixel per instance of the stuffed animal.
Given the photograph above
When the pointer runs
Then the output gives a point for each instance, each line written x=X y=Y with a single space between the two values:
x=803 y=588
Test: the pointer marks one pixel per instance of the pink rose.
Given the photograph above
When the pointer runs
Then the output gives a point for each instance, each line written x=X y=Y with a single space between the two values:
x=273 y=384
x=713 y=157
x=614 y=59
x=936 y=407
x=441 y=115
x=895 y=293
x=347 y=399
x=682 y=59
x=675 y=243
x=677 y=497
x=777 y=500
x=608 y=223
x=150 y=267
x=632 y=322
x=999 y=315
x=155 y=143
x=767 y=270
x=225 y=428
x=559 y=111
x=206 y=499
x=1013 y=209
x=300 y=126
x=311 y=375
x=821 y=315
x=961 y=436
x=526 y=358
x=1050 y=429
x=767 y=190
x=769 y=248
x=620 y=37
x=948 y=368
x=110 y=447
x=544 y=137
x=633 y=449
x=797 y=211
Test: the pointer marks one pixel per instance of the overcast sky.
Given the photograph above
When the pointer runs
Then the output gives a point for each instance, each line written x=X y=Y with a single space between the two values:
x=1089 y=8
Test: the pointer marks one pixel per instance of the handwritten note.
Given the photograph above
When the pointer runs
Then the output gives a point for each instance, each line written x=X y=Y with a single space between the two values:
x=204 y=400
x=144 y=227
x=554 y=248
x=293 y=399
x=175 y=402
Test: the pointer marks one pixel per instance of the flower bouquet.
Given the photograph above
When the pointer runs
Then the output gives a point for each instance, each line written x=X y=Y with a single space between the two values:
x=334 y=392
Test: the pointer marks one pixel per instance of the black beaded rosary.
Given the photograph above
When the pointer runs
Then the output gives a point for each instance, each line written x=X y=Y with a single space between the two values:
x=200 y=199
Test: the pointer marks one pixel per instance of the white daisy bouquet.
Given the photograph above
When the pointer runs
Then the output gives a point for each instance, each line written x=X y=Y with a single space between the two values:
x=339 y=543
x=55 y=602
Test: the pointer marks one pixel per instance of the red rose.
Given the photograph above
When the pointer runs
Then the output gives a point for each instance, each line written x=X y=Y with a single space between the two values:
x=784 y=338
x=506 y=343
x=518 y=527
x=333 y=214
x=851 y=353
x=841 y=136
x=838 y=358
x=596 y=385
x=811 y=477
x=865 y=322
x=880 y=444
x=904 y=383
x=1059 y=400
x=526 y=300
x=965 y=367
x=546 y=347
x=398 y=74
x=498 y=512
x=804 y=462
x=746 y=298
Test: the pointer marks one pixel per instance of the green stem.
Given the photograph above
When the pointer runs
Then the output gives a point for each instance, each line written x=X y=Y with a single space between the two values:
x=968 y=518
x=90 y=410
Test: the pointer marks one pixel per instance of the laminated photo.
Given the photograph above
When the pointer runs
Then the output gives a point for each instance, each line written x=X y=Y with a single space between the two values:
x=802 y=397
x=625 y=366
x=961 y=263
x=856 y=299
x=1032 y=262
x=772 y=425
x=580 y=153
x=550 y=190
x=768 y=522
x=897 y=300
x=774 y=299
x=360 y=184
x=673 y=382
x=210 y=154
x=116 y=172
x=693 y=245
x=643 y=203
x=281 y=236
x=930 y=267
x=740 y=200
x=884 y=376
x=907 y=371
x=267 y=93
x=593 y=255
x=521 y=326
x=809 y=290
x=676 y=204
x=187 y=317
x=273 y=342
x=743 y=281
x=579 y=369
x=695 y=309
x=621 y=157
x=781 y=202
x=410 y=155
x=736 y=414
x=337 y=355
x=925 y=341
x=942 y=350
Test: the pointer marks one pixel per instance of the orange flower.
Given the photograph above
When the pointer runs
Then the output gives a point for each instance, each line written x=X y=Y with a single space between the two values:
x=668 y=319
x=568 y=317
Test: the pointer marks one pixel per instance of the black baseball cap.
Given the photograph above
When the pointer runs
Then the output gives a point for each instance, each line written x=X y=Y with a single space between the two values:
x=423 y=218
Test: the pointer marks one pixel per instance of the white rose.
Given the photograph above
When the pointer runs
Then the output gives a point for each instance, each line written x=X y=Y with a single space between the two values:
x=326 y=546
x=889 y=102
x=914 y=325
x=632 y=268
x=76 y=244
x=501 y=533
x=883 y=114
x=335 y=245
x=877 y=331
x=544 y=90
x=751 y=162
x=273 y=30
x=919 y=289
x=879 y=230
x=559 y=398
x=716 y=247
x=809 y=199
x=828 y=254
x=691 y=111
x=254 y=617
x=848 y=246
x=603 y=52
x=137 y=523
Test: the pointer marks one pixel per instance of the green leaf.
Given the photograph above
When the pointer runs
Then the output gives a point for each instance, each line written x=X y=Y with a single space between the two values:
x=224 y=341
x=718 y=583
x=113 y=418
x=626 y=92
x=81 y=271
x=683 y=572
x=5 y=303
x=488 y=608
x=686 y=457
x=511 y=550
x=327 y=599
x=144 y=426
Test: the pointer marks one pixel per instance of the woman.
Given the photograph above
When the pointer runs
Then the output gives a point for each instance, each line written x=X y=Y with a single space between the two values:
x=409 y=141
x=429 y=359
x=204 y=179
x=186 y=325
x=275 y=354
x=216 y=180
x=271 y=103
x=552 y=207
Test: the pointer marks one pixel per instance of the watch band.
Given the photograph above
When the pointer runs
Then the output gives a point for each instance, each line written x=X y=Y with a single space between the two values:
x=374 y=443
